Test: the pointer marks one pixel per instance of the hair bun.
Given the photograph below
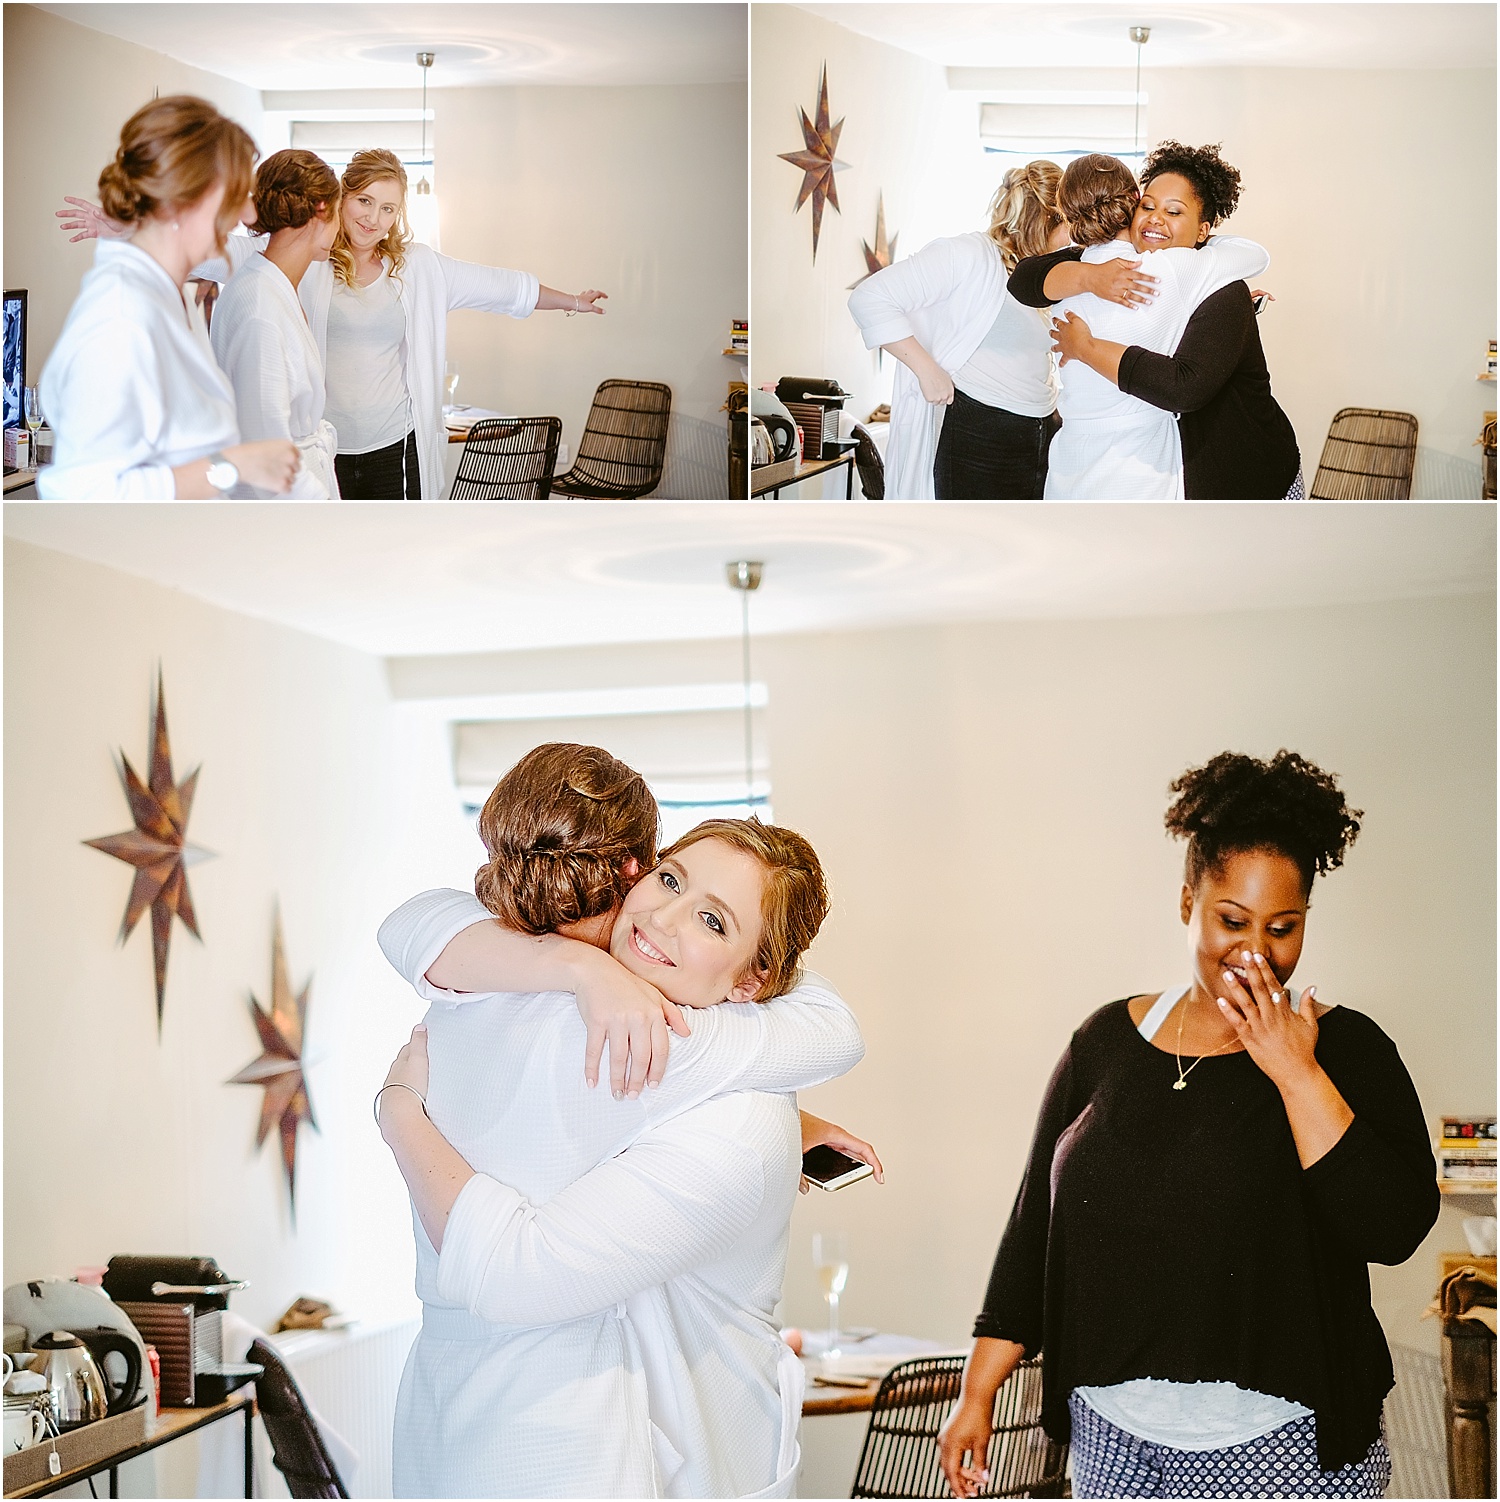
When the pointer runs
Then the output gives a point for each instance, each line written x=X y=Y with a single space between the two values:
x=119 y=196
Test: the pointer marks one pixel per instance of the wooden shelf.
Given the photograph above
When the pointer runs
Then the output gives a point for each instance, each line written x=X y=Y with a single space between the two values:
x=1466 y=1186
x=736 y=354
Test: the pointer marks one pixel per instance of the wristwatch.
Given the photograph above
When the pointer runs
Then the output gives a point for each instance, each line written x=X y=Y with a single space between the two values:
x=222 y=474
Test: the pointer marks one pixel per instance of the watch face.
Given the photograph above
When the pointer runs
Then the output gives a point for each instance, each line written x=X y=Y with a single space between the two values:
x=222 y=475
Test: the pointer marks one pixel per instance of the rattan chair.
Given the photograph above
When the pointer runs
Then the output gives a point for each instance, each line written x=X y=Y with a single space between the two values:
x=1369 y=455
x=508 y=459
x=624 y=443
x=900 y=1455
x=296 y=1445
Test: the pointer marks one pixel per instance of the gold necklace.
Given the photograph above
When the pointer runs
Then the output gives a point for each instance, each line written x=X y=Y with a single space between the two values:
x=1182 y=1073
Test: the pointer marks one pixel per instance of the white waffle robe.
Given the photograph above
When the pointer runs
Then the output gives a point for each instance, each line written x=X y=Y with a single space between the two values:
x=264 y=345
x=600 y=1321
x=1114 y=446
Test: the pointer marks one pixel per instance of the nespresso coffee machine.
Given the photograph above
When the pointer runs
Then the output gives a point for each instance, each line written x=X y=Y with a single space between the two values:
x=815 y=404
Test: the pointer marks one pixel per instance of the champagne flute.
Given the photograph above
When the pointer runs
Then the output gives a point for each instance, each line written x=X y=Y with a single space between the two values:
x=450 y=383
x=34 y=418
x=831 y=1259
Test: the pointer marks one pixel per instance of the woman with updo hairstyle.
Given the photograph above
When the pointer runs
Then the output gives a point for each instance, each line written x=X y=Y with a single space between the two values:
x=620 y=1253
x=973 y=405
x=1237 y=443
x=1214 y=1166
x=260 y=333
x=140 y=409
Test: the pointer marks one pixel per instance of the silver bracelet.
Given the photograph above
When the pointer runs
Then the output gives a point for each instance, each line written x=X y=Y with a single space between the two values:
x=576 y=309
x=397 y=1085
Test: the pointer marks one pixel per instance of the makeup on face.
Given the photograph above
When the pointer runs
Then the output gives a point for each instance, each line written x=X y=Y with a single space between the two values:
x=1169 y=215
x=1255 y=903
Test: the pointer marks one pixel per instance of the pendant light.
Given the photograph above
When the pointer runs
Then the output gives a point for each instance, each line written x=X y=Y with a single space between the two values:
x=424 y=62
x=422 y=207
x=1140 y=35
x=745 y=576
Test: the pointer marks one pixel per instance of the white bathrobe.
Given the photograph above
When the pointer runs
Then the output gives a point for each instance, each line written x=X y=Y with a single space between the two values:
x=600 y=1322
x=131 y=389
x=264 y=345
x=1113 y=446
x=947 y=295
x=430 y=286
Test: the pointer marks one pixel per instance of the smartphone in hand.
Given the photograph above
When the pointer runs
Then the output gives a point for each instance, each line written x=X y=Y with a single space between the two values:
x=830 y=1169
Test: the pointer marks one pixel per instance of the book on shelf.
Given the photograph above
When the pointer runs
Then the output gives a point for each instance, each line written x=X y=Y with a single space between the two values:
x=1468 y=1130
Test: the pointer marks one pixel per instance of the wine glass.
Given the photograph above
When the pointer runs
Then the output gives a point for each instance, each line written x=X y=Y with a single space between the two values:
x=34 y=418
x=831 y=1259
x=450 y=382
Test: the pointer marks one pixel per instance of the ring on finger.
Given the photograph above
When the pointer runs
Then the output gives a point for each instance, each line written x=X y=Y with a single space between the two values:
x=1275 y=998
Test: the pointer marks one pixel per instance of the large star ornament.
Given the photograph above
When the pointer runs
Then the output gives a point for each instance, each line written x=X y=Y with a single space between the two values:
x=884 y=251
x=817 y=161
x=157 y=847
x=278 y=1070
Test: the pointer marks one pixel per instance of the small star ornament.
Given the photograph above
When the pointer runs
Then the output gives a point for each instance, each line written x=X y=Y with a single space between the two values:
x=278 y=1070
x=157 y=847
x=817 y=161
x=884 y=251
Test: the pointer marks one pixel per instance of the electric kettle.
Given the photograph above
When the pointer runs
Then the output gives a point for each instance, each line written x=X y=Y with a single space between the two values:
x=75 y=1384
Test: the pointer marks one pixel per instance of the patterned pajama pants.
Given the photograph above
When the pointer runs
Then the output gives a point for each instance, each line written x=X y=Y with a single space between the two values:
x=1108 y=1462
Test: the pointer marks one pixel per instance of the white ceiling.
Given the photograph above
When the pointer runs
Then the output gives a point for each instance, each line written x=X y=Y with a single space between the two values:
x=1088 y=35
x=364 y=46
x=400 y=580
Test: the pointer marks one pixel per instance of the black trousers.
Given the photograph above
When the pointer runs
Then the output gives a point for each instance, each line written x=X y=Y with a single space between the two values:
x=988 y=454
x=377 y=476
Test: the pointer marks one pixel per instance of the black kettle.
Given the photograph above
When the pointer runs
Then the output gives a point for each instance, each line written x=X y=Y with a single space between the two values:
x=103 y=1342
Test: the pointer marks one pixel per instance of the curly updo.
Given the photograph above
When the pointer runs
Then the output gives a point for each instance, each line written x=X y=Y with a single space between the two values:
x=1097 y=196
x=288 y=189
x=1023 y=212
x=1236 y=803
x=1216 y=183
x=173 y=151
x=560 y=827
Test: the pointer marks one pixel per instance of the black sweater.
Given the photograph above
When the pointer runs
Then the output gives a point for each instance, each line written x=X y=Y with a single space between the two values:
x=1237 y=443
x=1175 y=1235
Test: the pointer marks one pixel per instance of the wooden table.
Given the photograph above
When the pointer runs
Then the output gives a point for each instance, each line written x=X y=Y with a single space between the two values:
x=807 y=470
x=824 y=1400
x=171 y=1423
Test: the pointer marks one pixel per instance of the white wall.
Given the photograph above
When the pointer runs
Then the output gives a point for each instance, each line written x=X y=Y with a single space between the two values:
x=68 y=90
x=315 y=793
x=1331 y=161
x=988 y=799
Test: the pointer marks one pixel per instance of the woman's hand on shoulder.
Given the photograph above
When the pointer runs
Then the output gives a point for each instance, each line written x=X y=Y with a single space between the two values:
x=1120 y=281
x=819 y=1133
x=633 y=1018
x=90 y=222
x=1282 y=1042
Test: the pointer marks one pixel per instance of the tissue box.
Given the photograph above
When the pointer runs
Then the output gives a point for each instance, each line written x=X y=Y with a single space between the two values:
x=77 y=1448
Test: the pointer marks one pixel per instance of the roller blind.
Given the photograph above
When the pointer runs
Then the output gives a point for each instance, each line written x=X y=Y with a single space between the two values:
x=1043 y=129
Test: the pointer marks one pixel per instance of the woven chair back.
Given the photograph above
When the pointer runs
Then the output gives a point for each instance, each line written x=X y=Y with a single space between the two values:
x=900 y=1454
x=624 y=442
x=295 y=1442
x=1369 y=455
x=508 y=459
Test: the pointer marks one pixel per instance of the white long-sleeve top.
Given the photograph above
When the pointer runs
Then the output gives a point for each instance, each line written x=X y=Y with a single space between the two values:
x=131 y=388
x=263 y=344
x=430 y=286
x=948 y=295
x=1114 y=446
x=600 y=1320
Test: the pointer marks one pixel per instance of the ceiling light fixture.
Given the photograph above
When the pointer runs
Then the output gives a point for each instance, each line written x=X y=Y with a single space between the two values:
x=745 y=576
x=1140 y=35
x=424 y=62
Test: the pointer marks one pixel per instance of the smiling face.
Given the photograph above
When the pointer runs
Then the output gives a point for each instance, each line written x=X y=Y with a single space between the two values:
x=1256 y=900
x=691 y=927
x=370 y=213
x=1169 y=215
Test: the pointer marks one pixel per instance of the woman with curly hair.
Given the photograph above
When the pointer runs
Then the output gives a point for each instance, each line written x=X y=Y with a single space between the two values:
x=378 y=308
x=1214 y=1165
x=974 y=404
x=1114 y=446
x=1237 y=443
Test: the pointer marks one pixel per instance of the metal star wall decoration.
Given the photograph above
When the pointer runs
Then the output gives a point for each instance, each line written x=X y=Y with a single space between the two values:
x=278 y=1070
x=157 y=847
x=817 y=161
x=884 y=252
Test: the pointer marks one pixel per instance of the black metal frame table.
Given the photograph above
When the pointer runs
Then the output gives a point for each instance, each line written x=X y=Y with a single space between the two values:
x=809 y=469
x=171 y=1423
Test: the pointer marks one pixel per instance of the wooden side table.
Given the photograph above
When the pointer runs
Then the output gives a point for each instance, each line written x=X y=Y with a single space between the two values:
x=1469 y=1393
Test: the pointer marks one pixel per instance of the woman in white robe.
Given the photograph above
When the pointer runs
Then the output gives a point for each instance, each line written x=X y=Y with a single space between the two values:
x=643 y=1363
x=1114 y=446
x=378 y=309
x=260 y=333
x=139 y=407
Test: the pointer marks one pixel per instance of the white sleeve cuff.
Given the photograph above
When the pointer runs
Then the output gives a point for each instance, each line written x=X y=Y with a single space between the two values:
x=475 y=1228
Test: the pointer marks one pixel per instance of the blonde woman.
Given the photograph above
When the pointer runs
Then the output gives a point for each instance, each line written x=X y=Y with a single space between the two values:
x=974 y=404
x=379 y=312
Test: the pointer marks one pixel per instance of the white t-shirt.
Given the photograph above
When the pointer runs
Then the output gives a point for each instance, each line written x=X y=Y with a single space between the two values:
x=1013 y=366
x=367 y=401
